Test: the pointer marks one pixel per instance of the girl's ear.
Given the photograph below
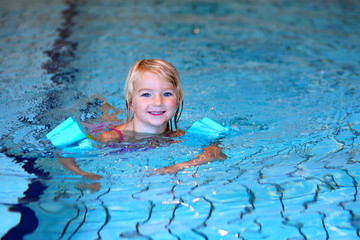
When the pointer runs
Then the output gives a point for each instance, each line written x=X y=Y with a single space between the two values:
x=131 y=106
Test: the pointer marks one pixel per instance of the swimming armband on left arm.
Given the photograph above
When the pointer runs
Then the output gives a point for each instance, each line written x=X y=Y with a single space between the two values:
x=207 y=128
x=203 y=131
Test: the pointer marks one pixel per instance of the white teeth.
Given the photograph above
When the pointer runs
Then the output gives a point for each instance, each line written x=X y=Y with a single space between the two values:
x=160 y=112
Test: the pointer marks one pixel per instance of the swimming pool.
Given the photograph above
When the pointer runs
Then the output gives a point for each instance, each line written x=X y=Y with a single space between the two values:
x=283 y=75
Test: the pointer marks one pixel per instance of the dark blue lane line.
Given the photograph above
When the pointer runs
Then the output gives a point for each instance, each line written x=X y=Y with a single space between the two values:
x=28 y=220
x=323 y=217
x=354 y=218
x=82 y=221
x=138 y=224
x=26 y=162
x=167 y=226
x=204 y=224
x=63 y=51
x=61 y=55
x=69 y=222
x=24 y=226
x=137 y=234
x=74 y=218
x=107 y=212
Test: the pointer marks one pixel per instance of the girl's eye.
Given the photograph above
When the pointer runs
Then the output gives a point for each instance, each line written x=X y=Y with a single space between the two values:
x=168 y=94
x=145 y=95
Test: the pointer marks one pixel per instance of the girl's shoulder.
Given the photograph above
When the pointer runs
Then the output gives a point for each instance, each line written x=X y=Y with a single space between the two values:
x=177 y=133
x=120 y=127
x=113 y=134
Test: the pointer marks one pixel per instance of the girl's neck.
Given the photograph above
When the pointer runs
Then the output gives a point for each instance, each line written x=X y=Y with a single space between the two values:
x=131 y=126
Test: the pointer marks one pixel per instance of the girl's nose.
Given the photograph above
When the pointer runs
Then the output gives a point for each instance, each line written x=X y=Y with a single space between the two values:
x=157 y=100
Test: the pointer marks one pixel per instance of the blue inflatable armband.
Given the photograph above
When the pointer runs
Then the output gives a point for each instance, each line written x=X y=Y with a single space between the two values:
x=83 y=145
x=69 y=133
x=207 y=128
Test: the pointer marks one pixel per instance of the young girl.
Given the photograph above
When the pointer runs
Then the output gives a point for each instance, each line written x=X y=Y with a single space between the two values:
x=154 y=102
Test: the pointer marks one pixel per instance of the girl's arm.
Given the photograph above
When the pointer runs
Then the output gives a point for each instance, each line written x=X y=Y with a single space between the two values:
x=106 y=137
x=210 y=153
x=69 y=163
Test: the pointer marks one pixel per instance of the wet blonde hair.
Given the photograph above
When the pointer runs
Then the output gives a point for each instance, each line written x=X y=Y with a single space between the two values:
x=165 y=71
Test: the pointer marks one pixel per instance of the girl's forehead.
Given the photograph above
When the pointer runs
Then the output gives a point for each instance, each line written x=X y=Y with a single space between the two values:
x=152 y=80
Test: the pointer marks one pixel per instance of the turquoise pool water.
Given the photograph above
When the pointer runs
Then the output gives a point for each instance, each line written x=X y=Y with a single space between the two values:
x=283 y=75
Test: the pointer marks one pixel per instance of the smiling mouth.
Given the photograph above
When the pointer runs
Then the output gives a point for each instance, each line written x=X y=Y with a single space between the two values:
x=157 y=112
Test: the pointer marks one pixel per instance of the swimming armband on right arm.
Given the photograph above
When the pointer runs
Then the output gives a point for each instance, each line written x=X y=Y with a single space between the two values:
x=71 y=136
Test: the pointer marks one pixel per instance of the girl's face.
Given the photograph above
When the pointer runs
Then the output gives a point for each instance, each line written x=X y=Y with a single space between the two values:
x=154 y=103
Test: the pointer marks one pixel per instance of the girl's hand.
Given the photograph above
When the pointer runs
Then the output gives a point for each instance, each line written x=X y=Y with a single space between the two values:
x=89 y=175
x=70 y=164
x=210 y=153
x=170 y=169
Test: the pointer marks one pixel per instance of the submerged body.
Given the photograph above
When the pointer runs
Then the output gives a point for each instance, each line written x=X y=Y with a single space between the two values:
x=132 y=141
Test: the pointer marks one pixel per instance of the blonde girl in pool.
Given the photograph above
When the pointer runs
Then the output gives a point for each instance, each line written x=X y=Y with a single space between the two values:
x=154 y=101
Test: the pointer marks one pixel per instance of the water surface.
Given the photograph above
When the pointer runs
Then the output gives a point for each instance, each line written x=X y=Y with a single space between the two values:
x=283 y=75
